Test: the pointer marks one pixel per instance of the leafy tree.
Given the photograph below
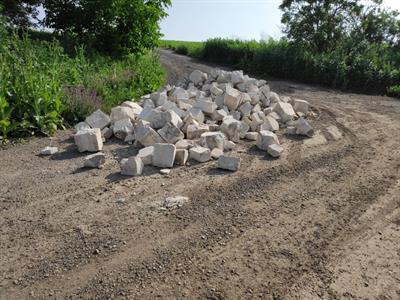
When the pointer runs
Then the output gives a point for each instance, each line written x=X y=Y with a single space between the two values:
x=110 y=26
x=20 y=12
x=321 y=24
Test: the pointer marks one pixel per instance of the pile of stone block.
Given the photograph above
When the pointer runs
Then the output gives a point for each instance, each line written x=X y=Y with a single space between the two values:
x=201 y=119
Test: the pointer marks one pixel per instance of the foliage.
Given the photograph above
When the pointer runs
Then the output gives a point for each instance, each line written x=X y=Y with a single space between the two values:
x=112 y=27
x=187 y=48
x=321 y=25
x=42 y=88
x=20 y=12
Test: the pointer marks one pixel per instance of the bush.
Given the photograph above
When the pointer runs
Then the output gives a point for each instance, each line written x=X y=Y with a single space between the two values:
x=42 y=88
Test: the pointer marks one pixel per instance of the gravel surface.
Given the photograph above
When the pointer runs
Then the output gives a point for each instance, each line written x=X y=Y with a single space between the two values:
x=322 y=222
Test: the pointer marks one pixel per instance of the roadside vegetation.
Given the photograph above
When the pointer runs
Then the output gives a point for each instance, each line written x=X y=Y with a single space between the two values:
x=343 y=44
x=53 y=80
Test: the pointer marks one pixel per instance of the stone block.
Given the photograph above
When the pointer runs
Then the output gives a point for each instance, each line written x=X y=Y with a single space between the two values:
x=300 y=106
x=98 y=119
x=266 y=138
x=285 y=111
x=212 y=140
x=164 y=155
x=275 y=150
x=232 y=98
x=96 y=160
x=200 y=154
x=229 y=163
x=122 y=112
x=181 y=157
x=170 y=133
x=49 y=151
x=146 y=154
x=122 y=128
x=89 y=140
x=251 y=136
x=132 y=166
x=195 y=131
x=304 y=128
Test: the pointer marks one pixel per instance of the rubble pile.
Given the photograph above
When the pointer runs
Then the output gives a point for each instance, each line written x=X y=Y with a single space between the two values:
x=200 y=120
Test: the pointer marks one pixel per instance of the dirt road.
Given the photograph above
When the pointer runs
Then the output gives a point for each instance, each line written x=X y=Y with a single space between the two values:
x=322 y=222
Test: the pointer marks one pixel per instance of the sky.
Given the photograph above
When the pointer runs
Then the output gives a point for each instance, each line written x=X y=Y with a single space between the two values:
x=198 y=20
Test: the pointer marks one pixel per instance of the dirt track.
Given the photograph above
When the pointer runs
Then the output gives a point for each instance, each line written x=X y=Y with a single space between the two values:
x=322 y=222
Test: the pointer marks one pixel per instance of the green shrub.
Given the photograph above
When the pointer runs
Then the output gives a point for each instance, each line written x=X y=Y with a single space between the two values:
x=42 y=88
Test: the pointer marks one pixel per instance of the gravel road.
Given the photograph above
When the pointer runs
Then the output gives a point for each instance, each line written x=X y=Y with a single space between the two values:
x=322 y=222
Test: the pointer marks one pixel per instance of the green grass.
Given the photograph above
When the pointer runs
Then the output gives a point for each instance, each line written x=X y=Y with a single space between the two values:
x=193 y=49
x=367 y=68
x=43 y=89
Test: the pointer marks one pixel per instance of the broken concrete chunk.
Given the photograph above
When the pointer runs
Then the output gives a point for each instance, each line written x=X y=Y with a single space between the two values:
x=200 y=154
x=107 y=133
x=300 y=106
x=251 y=136
x=159 y=98
x=285 y=111
x=147 y=136
x=132 y=166
x=170 y=133
x=195 y=131
x=231 y=128
x=229 y=163
x=216 y=153
x=164 y=155
x=96 y=160
x=237 y=77
x=137 y=109
x=89 y=140
x=49 y=151
x=181 y=157
x=275 y=150
x=270 y=124
x=122 y=128
x=184 y=144
x=304 y=128
x=266 y=138
x=206 y=105
x=98 y=119
x=146 y=154
x=232 y=98
x=82 y=126
x=212 y=140
x=122 y=112
x=198 y=77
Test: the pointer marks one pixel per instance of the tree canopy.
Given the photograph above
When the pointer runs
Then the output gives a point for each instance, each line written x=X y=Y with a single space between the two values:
x=21 y=13
x=321 y=24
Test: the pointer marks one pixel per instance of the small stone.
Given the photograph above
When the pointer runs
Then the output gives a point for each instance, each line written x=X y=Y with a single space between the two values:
x=229 y=163
x=275 y=150
x=49 y=151
x=132 y=166
x=175 y=202
x=96 y=160
x=165 y=171
x=200 y=154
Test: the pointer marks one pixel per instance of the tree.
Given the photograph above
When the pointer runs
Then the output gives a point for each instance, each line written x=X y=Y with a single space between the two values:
x=20 y=12
x=110 y=26
x=320 y=25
